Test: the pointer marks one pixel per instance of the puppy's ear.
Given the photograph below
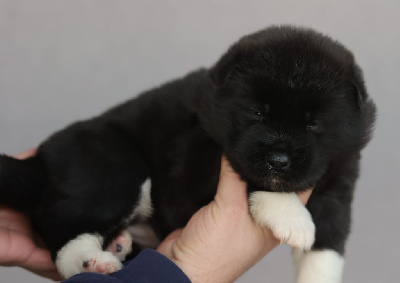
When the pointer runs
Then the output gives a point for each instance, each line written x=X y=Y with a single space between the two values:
x=222 y=69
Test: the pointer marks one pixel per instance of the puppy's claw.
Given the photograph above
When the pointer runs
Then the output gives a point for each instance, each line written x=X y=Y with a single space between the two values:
x=85 y=264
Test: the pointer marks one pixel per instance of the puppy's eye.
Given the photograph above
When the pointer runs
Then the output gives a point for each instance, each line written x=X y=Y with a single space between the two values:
x=258 y=115
x=314 y=126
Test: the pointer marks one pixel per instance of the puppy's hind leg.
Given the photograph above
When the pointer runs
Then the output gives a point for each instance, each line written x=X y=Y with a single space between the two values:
x=85 y=254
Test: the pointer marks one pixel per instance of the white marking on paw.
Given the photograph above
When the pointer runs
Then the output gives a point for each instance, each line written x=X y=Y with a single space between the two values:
x=285 y=215
x=318 y=266
x=83 y=254
x=121 y=245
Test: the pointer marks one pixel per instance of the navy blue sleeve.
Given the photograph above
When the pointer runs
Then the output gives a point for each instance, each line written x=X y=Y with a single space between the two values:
x=148 y=267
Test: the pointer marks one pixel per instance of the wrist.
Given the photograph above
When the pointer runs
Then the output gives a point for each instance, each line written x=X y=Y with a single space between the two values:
x=205 y=270
x=194 y=273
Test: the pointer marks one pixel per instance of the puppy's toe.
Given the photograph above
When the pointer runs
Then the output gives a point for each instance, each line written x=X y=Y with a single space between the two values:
x=298 y=233
x=101 y=262
x=284 y=214
x=121 y=245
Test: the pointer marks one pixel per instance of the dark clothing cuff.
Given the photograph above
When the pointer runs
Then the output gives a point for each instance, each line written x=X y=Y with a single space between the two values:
x=148 y=267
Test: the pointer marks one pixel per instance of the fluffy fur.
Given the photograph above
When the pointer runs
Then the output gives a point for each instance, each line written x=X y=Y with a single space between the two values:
x=287 y=106
x=284 y=214
x=318 y=266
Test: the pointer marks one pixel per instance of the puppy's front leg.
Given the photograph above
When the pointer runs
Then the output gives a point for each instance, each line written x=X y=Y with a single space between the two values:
x=318 y=266
x=285 y=215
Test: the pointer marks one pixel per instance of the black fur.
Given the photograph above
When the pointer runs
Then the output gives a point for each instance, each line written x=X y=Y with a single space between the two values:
x=282 y=104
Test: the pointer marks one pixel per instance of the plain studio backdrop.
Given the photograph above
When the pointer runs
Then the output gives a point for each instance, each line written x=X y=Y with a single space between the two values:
x=66 y=60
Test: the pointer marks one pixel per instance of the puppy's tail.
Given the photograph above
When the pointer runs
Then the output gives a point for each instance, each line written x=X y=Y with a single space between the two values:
x=21 y=182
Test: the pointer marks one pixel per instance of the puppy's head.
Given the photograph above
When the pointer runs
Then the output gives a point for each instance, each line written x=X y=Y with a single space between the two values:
x=284 y=103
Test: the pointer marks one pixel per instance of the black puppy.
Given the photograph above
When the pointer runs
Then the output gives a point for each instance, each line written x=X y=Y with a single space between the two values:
x=287 y=106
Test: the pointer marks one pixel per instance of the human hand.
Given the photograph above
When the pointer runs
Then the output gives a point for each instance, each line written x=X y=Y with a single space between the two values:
x=17 y=241
x=221 y=241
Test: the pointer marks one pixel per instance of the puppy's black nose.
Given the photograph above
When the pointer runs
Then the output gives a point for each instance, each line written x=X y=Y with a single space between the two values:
x=278 y=161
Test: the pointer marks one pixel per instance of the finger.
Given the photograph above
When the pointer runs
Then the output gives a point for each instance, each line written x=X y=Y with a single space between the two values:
x=270 y=241
x=231 y=189
x=165 y=247
x=40 y=263
x=51 y=274
x=27 y=153
x=304 y=196
x=40 y=259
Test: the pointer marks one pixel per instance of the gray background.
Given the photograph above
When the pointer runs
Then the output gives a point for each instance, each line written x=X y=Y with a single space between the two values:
x=66 y=60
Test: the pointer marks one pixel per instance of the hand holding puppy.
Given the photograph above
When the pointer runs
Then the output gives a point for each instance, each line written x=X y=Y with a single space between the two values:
x=17 y=241
x=221 y=241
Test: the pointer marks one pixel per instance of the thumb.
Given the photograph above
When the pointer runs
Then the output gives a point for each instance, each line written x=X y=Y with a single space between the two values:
x=231 y=189
x=27 y=153
x=165 y=247
x=304 y=196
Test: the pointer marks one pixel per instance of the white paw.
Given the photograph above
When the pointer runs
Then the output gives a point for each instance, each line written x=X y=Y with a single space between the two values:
x=121 y=245
x=85 y=254
x=101 y=262
x=285 y=215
